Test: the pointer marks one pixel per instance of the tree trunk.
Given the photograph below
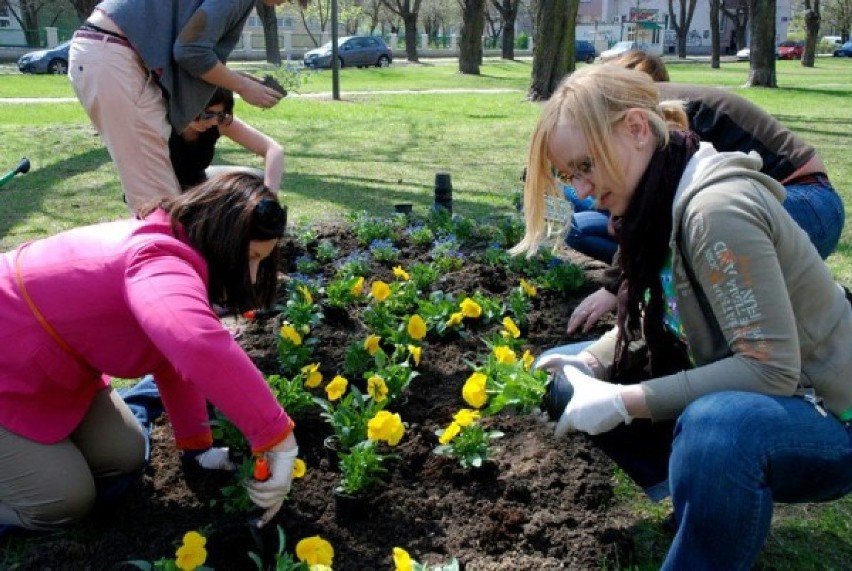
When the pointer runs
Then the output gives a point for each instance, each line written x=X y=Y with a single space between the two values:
x=270 y=32
x=762 y=66
x=508 y=10
x=681 y=23
x=550 y=58
x=715 y=40
x=470 y=44
x=410 y=23
x=29 y=12
x=813 y=19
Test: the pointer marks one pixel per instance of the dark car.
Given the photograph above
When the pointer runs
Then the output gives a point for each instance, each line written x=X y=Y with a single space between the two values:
x=844 y=51
x=53 y=60
x=352 y=51
x=584 y=51
x=790 y=49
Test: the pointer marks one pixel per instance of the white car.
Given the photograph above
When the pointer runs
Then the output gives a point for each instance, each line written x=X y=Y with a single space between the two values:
x=620 y=49
x=744 y=54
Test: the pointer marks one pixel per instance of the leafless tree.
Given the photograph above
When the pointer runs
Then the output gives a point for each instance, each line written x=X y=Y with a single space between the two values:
x=408 y=10
x=470 y=43
x=508 y=10
x=838 y=14
x=681 y=23
x=83 y=8
x=812 y=23
x=737 y=11
x=269 y=20
x=27 y=13
x=762 y=67
x=715 y=42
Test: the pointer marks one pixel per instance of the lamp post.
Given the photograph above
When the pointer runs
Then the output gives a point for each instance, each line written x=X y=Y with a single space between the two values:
x=335 y=61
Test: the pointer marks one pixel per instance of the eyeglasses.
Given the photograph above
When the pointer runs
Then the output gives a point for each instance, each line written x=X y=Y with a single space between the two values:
x=581 y=171
x=221 y=117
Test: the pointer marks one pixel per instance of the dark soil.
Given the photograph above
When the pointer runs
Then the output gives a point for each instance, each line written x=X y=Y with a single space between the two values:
x=538 y=504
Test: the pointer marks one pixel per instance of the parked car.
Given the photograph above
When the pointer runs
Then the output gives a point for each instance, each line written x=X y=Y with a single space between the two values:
x=53 y=60
x=620 y=49
x=844 y=51
x=744 y=54
x=584 y=51
x=790 y=49
x=352 y=51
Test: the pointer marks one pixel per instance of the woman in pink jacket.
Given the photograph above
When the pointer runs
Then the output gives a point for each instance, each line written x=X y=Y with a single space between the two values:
x=124 y=299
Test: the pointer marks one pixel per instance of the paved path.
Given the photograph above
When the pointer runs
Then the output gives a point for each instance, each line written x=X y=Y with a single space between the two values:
x=323 y=95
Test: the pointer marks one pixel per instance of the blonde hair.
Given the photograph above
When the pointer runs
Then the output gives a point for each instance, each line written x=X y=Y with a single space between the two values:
x=595 y=99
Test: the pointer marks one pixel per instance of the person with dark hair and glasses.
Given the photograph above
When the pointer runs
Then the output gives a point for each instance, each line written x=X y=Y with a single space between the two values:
x=192 y=150
x=726 y=383
x=125 y=299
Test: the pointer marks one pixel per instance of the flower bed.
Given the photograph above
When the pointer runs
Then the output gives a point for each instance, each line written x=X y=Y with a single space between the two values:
x=524 y=501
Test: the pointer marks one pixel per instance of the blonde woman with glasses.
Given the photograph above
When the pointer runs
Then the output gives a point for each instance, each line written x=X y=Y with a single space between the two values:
x=742 y=396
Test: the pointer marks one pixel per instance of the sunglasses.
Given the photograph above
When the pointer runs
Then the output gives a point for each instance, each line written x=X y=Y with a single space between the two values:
x=581 y=171
x=221 y=117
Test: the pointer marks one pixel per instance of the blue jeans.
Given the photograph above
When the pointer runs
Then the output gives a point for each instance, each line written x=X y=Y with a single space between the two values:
x=733 y=455
x=818 y=209
x=589 y=235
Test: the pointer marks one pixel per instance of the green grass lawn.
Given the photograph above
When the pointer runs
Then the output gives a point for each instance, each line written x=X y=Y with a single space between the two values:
x=372 y=150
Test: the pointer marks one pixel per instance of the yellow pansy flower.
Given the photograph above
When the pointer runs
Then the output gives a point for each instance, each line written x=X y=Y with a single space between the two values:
x=320 y=567
x=402 y=560
x=416 y=327
x=528 y=288
x=377 y=388
x=192 y=553
x=505 y=355
x=528 y=359
x=315 y=550
x=358 y=286
x=313 y=376
x=449 y=433
x=386 y=426
x=511 y=327
x=306 y=293
x=470 y=308
x=455 y=319
x=401 y=274
x=371 y=344
x=336 y=388
x=379 y=290
x=415 y=352
x=289 y=332
x=473 y=391
x=299 y=468
x=466 y=417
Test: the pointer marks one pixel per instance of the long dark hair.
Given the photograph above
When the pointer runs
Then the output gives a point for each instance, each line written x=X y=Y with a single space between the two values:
x=220 y=217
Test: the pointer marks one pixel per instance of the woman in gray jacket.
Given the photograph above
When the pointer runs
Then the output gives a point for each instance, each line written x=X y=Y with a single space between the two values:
x=745 y=330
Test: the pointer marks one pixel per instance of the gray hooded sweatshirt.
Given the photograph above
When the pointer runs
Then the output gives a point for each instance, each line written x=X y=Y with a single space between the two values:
x=774 y=321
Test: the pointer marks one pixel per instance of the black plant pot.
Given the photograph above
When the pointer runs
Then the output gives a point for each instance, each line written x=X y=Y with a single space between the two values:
x=403 y=208
x=558 y=395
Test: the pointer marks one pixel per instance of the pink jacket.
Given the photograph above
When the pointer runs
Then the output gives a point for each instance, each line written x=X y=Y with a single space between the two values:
x=130 y=298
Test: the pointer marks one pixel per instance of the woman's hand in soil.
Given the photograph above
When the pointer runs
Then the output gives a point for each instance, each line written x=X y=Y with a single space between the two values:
x=270 y=494
x=591 y=310
x=595 y=407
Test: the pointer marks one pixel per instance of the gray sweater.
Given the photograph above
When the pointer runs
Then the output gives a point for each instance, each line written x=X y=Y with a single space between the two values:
x=177 y=53
x=785 y=324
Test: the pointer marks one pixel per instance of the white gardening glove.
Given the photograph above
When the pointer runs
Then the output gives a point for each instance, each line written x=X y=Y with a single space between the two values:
x=215 y=459
x=595 y=407
x=271 y=493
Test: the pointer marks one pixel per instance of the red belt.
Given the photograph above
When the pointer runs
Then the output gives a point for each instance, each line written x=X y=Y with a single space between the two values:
x=812 y=178
x=102 y=37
